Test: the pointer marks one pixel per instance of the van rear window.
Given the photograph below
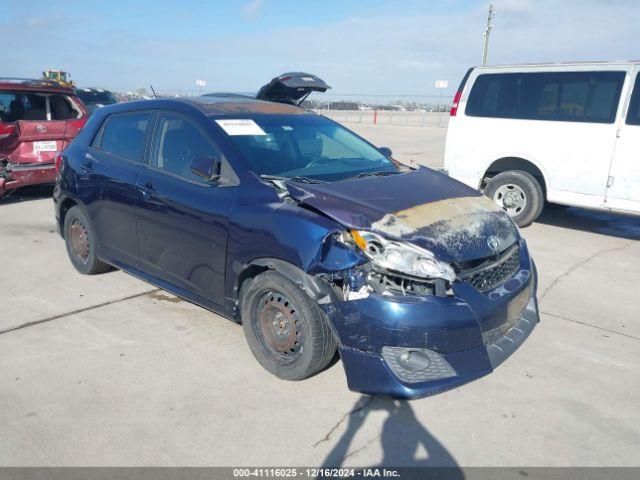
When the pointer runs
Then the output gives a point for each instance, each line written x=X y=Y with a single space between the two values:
x=557 y=96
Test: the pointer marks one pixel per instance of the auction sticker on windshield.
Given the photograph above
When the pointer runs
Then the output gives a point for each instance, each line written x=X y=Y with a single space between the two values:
x=240 y=127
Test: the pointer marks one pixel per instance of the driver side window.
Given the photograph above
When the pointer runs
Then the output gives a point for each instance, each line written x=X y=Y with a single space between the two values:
x=178 y=142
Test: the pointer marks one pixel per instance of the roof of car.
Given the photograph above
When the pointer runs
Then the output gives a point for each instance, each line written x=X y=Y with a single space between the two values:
x=561 y=64
x=92 y=89
x=220 y=105
x=35 y=85
x=225 y=105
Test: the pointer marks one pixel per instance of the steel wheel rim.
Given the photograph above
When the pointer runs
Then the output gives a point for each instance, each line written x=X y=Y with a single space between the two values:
x=279 y=326
x=511 y=198
x=79 y=241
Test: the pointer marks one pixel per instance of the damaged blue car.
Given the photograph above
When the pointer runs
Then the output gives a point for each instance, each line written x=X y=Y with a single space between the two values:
x=315 y=240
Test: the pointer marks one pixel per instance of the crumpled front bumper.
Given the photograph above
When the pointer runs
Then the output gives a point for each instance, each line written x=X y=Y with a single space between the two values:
x=464 y=337
x=13 y=176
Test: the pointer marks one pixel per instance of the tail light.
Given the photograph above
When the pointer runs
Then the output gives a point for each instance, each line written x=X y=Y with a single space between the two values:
x=456 y=101
x=58 y=162
x=7 y=129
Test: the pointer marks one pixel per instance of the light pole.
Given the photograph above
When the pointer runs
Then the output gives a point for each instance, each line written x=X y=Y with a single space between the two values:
x=200 y=84
x=485 y=46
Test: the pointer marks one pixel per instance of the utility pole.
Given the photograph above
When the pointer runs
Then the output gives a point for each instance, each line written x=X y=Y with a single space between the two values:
x=485 y=46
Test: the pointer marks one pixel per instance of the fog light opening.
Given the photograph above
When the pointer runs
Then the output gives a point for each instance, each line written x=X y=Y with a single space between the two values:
x=414 y=365
x=414 y=360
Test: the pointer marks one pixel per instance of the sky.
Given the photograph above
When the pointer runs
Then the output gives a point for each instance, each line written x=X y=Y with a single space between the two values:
x=370 y=47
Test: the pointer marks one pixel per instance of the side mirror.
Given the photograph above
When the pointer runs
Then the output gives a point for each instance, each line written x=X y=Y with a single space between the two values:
x=206 y=167
x=386 y=151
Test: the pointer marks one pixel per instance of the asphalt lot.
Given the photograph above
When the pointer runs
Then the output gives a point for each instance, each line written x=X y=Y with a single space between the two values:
x=109 y=371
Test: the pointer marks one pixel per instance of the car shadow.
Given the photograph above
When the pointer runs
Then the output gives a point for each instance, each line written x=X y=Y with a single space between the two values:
x=25 y=194
x=403 y=438
x=612 y=224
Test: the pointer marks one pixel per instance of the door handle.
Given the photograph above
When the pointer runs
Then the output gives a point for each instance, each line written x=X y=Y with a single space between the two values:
x=149 y=194
x=148 y=191
x=87 y=165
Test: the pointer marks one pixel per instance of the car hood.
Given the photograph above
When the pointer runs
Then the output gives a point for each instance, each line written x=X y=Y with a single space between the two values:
x=424 y=207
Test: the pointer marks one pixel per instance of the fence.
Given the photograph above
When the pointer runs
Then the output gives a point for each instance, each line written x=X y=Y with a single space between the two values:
x=417 y=110
x=388 y=117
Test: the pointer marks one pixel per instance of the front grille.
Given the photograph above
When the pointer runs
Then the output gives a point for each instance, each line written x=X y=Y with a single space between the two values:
x=486 y=277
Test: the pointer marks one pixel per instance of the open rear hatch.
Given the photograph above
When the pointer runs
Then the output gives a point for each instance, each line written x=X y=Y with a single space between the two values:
x=36 y=122
x=292 y=88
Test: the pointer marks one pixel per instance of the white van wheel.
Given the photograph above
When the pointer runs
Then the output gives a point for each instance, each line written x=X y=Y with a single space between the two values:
x=519 y=194
x=511 y=198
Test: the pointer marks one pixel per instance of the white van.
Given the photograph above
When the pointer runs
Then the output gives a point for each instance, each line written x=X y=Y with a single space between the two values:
x=565 y=133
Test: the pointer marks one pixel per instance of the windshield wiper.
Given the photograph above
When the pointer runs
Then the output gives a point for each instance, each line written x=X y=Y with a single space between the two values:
x=381 y=173
x=295 y=178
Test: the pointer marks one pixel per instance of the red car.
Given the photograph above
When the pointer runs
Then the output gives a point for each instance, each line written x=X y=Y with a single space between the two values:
x=38 y=118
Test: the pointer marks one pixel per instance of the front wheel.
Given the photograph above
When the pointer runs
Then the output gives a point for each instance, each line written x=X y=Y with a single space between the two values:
x=286 y=330
x=519 y=194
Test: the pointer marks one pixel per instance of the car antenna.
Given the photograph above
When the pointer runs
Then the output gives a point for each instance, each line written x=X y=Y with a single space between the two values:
x=154 y=92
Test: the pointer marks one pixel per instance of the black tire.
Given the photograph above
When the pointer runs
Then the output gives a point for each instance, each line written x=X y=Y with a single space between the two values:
x=81 y=243
x=519 y=194
x=301 y=344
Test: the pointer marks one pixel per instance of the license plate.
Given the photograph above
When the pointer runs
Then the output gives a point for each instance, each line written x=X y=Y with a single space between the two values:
x=45 y=146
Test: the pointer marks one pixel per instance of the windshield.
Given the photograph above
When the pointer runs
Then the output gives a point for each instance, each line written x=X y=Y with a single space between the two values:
x=95 y=96
x=308 y=146
x=57 y=75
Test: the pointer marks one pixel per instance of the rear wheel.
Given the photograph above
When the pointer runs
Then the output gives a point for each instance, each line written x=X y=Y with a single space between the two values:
x=519 y=194
x=286 y=330
x=81 y=243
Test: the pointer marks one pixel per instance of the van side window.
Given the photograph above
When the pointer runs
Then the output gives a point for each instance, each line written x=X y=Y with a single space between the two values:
x=123 y=135
x=178 y=142
x=557 y=96
x=633 y=114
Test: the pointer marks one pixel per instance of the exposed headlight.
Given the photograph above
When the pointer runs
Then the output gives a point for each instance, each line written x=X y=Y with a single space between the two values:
x=401 y=257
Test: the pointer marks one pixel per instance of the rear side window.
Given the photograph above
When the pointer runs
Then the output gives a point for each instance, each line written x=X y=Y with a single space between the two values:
x=557 y=96
x=633 y=115
x=26 y=106
x=123 y=135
